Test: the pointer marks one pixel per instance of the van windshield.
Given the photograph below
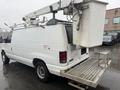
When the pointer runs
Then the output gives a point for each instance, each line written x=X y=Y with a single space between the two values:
x=69 y=31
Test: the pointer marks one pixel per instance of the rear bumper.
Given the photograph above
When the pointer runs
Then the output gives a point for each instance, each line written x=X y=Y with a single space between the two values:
x=57 y=69
x=88 y=72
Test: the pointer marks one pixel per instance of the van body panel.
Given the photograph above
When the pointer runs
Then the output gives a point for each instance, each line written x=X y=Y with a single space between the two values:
x=45 y=44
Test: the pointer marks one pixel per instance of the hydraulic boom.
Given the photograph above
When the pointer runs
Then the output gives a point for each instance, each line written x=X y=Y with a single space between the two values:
x=61 y=5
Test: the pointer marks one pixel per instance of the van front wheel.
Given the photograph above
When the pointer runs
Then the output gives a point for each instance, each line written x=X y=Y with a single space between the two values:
x=42 y=71
x=5 y=59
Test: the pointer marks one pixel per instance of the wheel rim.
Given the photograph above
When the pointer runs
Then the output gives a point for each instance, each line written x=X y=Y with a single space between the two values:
x=40 y=72
x=3 y=58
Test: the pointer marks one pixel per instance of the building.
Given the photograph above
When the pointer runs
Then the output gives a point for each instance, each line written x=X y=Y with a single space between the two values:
x=112 y=21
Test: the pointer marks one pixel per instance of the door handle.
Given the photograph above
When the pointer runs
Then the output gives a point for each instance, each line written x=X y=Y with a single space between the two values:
x=11 y=49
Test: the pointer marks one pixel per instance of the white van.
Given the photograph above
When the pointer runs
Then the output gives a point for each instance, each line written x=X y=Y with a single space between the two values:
x=61 y=47
x=44 y=45
x=52 y=51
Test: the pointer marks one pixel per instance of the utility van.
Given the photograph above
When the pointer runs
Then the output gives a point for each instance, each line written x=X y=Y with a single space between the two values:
x=51 y=47
x=61 y=47
x=51 y=51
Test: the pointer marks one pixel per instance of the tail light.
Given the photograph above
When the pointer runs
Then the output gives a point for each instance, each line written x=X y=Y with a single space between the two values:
x=63 y=57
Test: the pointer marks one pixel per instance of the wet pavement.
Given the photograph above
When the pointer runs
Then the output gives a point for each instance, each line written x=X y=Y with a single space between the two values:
x=16 y=76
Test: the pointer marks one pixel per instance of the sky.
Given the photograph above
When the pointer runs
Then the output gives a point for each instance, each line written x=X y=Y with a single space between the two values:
x=12 y=11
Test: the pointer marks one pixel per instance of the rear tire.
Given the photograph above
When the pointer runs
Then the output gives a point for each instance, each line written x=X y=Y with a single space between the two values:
x=5 y=59
x=42 y=71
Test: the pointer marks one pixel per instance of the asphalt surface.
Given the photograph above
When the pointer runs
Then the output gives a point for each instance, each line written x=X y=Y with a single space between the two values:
x=17 y=76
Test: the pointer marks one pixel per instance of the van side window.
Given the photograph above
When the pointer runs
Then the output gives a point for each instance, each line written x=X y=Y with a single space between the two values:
x=8 y=39
x=69 y=31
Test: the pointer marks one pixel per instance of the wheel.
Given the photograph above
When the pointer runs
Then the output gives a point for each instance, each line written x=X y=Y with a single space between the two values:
x=42 y=72
x=5 y=59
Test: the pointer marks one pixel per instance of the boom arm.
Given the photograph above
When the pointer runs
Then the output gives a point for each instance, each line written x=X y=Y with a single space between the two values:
x=52 y=8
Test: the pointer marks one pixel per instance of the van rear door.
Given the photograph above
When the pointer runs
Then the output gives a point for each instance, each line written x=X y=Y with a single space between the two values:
x=74 y=52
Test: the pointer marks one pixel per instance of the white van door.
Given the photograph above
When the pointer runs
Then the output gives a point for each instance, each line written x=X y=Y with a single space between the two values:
x=21 y=47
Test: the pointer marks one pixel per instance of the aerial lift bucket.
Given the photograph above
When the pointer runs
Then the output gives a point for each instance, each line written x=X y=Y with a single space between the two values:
x=89 y=32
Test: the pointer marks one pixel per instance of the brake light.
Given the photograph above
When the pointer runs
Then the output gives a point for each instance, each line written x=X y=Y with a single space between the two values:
x=63 y=57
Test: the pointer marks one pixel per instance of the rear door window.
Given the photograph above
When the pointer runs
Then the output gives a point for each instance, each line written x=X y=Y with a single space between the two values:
x=69 y=31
